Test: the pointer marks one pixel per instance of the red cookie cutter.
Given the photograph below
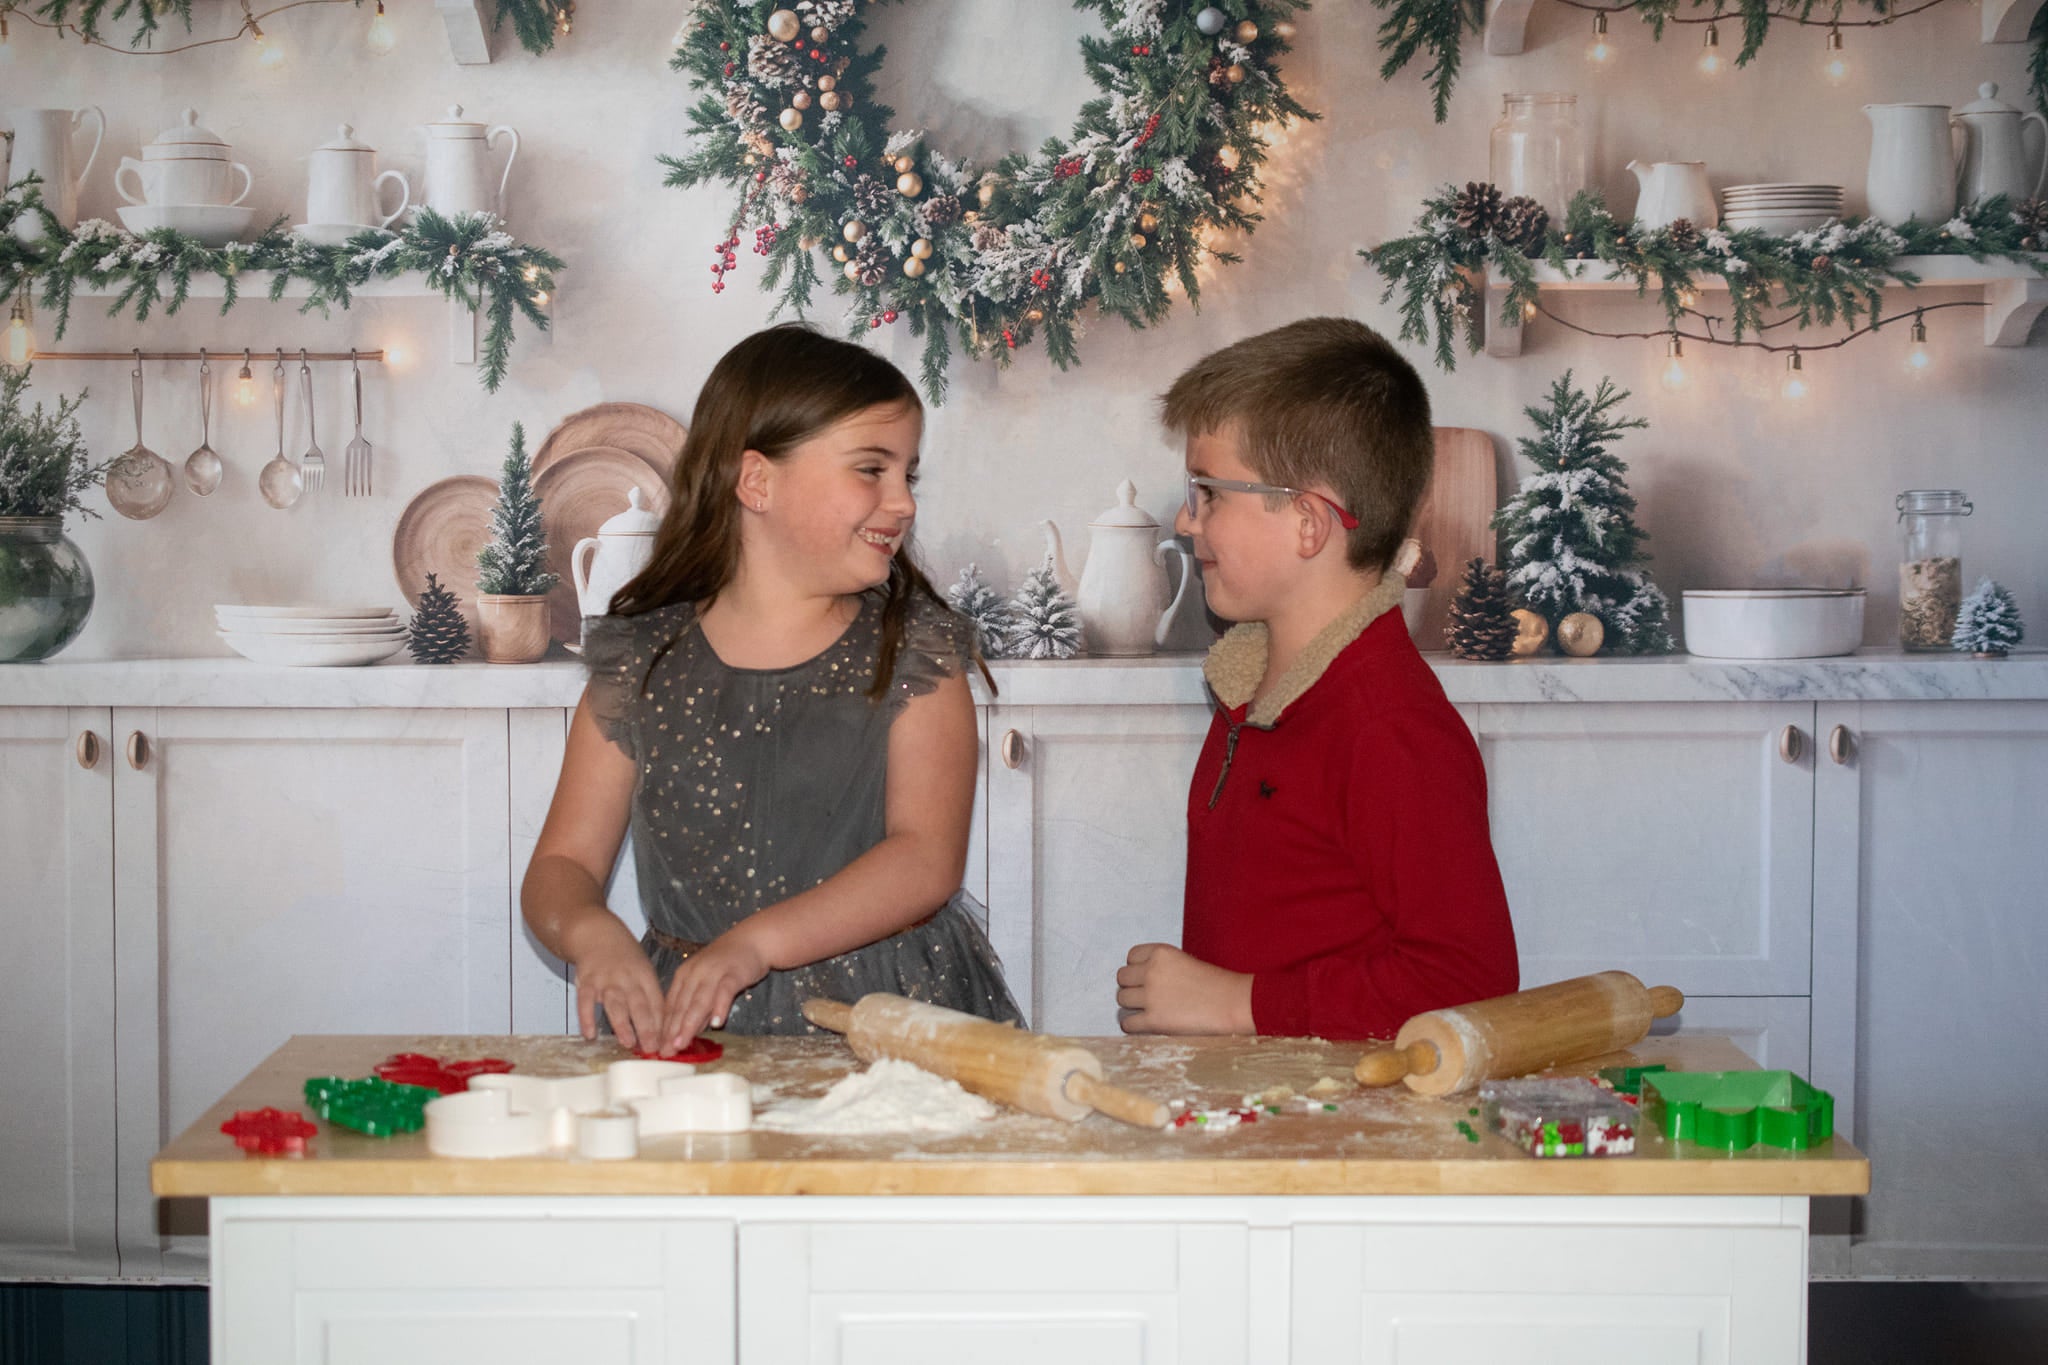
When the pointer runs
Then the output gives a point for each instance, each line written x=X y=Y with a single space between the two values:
x=269 y=1132
x=701 y=1049
x=449 y=1078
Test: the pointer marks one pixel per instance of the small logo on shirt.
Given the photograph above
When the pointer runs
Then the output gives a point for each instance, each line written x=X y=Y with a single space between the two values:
x=1266 y=789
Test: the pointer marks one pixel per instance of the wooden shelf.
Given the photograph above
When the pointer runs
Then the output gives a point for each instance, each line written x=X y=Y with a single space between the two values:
x=1507 y=23
x=2007 y=21
x=2013 y=294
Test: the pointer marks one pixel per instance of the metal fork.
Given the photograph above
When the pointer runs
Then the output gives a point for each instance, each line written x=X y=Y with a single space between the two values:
x=355 y=463
x=313 y=466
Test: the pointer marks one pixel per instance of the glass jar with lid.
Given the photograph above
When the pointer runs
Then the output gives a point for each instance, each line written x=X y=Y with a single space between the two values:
x=1536 y=149
x=1930 y=565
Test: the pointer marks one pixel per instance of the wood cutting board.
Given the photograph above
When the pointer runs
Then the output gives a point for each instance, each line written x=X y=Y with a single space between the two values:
x=1455 y=521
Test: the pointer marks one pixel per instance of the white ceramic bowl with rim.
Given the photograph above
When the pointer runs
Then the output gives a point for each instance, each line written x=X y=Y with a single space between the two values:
x=1773 y=623
x=313 y=651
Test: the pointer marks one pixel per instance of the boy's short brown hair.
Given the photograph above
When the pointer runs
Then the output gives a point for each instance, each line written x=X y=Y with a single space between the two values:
x=1322 y=401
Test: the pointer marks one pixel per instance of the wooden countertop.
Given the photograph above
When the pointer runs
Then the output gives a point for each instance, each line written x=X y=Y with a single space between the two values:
x=1377 y=1142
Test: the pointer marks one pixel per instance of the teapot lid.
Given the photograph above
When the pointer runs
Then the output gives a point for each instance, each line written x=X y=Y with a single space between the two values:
x=345 y=140
x=1126 y=512
x=1990 y=103
x=636 y=520
x=188 y=133
x=455 y=125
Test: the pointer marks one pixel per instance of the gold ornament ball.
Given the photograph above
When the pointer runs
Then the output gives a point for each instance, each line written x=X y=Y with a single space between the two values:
x=913 y=267
x=1139 y=242
x=903 y=164
x=1234 y=73
x=1148 y=221
x=832 y=101
x=1531 y=630
x=1034 y=315
x=828 y=83
x=839 y=255
x=808 y=243
x=801 y=99
x=1285 y=30
x=1247 y=32
x=751 y=159
x=783 y=25
x=910 y=184
x=798 y=194
x=1120 y=267
x=791 y=119
x=853 y=271
x=854 y=230
x=821 y=35
x=922 y=248
x=1581 y=634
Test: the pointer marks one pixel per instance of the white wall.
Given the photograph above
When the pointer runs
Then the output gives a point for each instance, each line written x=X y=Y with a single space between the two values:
x=1736 y=486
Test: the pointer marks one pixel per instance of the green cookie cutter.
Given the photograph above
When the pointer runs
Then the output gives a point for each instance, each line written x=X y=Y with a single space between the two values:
x=1735 y=1110
x=371 y=1105
x=1628 y=1080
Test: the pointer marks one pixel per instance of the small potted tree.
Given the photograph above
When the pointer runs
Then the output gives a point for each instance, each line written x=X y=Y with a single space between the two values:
x=512 y=579
x=46 y=587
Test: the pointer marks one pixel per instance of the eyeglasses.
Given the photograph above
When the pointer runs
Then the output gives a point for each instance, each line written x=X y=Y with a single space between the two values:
x=1197 y=482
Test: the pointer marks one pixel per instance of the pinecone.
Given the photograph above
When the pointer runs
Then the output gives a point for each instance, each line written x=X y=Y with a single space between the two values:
x=872 y=260
x=2032 y=216
x=1823 y=263
x=871 y=198
x=437 y=634
x=1682 y=235
x=940 y=210
x=1522 y=223
x=1482 y=625
x=772 y=63
x=989 y=237
x=828 y=14
x=1476 y=207
x=744 y=110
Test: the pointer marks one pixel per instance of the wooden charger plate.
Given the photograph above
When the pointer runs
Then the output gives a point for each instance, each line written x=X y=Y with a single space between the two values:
x=649 y=433
x=580 y=491
x=440 y=532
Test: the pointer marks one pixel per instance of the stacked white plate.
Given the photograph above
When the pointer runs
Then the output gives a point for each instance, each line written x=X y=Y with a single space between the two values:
x=310 y=636
x=1779 y=209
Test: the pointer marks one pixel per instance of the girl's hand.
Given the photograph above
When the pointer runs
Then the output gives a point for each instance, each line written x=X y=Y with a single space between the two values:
x=622 y=980
x=702 y=990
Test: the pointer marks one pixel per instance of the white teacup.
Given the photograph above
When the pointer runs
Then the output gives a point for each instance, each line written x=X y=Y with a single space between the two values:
x=181 y=181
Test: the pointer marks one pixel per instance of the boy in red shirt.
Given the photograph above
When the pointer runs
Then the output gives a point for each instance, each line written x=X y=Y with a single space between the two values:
x=1340 y=873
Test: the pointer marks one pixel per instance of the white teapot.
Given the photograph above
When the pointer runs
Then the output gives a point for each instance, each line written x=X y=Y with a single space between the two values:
x=602 y=564
x=458 y=180
x=1123 y=589
x=1994 y=157
x=342 y=184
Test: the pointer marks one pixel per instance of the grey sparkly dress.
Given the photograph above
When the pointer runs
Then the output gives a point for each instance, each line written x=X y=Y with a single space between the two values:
x=757 y=784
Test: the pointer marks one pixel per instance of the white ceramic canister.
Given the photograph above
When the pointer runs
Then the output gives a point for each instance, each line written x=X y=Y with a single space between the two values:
x=342 y=184
x=186 y=165
x=602 y=564
x=42 y=144
x=458 y=171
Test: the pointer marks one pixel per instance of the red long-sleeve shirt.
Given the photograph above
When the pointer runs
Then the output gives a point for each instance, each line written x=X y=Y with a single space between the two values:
x=1342 y=855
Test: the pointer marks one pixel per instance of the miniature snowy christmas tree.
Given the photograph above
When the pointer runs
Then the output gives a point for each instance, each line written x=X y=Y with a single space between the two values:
x=1569 y=532
x=986 y=608
x=515 y=563
x=1048 y=624
x=1988 y=624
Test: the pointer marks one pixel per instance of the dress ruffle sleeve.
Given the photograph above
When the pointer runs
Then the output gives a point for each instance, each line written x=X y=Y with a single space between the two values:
x=620 y=652
x=938 y=643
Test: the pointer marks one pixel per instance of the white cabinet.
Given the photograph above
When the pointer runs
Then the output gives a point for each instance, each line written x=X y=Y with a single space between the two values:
x=281 y=872
x=1930 y=939
x=57 y=1192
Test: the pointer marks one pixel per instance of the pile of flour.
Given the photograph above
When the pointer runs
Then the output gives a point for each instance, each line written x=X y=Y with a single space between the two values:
x=889 y=1097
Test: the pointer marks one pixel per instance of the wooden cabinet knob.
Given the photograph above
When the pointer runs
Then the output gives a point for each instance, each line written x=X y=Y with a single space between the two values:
x=1791 y=744
x=1013 y=749
x=1841 y=744
x=138 y=750
x=88 y=750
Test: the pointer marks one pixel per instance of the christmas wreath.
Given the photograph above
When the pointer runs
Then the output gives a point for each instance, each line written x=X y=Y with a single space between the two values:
x=1108 y=216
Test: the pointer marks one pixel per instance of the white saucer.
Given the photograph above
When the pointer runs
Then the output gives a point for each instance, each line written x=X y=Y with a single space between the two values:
x=330 y=234
x=213 y=224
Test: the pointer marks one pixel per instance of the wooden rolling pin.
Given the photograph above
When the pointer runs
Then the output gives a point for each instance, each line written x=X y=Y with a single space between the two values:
x=1031 y=1071
x=1511 y=1035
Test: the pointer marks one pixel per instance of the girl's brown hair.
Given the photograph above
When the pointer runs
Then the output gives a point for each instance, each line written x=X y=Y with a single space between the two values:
x=771 y=392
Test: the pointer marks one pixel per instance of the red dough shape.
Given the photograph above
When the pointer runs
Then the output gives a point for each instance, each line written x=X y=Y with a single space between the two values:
x=269 y=1132
x=416 y=1068
x=701 y=1049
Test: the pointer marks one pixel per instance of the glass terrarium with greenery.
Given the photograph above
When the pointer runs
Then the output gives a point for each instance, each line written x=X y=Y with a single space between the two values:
x=46 y=587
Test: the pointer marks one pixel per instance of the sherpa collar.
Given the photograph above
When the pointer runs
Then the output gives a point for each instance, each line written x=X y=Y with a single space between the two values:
x=1237 y=662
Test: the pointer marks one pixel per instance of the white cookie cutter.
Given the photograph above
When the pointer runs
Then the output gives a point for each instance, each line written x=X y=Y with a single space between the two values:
x=601 y=1116
x=721 y=1102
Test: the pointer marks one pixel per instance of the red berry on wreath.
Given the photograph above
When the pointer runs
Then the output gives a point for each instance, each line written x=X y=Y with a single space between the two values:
x=725 y=47
x=889 y=315
x=874 y=323
x=851 y=162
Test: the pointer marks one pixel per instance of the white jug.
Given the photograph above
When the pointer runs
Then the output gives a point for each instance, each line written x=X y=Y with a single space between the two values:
x=1912 y=164
x=602 y=564
x=342 y=183
x=1123 y=590
x=458 y=180
x=1670 y=190
x=1994 y=152
x=42 y=144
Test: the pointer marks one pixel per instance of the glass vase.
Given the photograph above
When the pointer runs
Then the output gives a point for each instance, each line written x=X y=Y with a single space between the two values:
x=46 y=588
x=1930 y=565
x=1536 y=150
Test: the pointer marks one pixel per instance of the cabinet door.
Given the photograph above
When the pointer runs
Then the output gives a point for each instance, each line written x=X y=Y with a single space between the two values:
x=1087 y=848
x=541 y=997
x=57 y=1011
x=281 y=872
x=1672 y=840
x=1928 y=1000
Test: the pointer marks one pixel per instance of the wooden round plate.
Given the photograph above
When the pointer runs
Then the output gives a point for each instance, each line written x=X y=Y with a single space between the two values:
x=578 y=493
x=649 y=433
x=440 y=532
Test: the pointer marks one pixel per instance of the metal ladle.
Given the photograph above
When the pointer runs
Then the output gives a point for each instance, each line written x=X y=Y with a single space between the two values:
x=202 y=466
x=140 y=483
x=280 y=481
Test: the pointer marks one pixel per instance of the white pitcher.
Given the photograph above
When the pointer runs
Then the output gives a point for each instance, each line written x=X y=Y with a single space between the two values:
x=458 y=179
x=1670 y=190
x=42 y=143
x=1912 y=164
x=1123 y=588
x=1994 y=151
x=602 y=564
x=342 y=184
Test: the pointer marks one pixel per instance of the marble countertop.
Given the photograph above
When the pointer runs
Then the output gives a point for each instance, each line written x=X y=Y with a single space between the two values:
x=1164 y=680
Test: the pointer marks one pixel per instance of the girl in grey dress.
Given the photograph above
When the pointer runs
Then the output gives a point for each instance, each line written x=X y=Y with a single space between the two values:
x=778 y=710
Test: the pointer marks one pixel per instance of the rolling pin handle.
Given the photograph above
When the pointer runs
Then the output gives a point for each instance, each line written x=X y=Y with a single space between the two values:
x=1384 y=1066
x=1123 y=1105
x=835 y=1015
x=1665 y=1001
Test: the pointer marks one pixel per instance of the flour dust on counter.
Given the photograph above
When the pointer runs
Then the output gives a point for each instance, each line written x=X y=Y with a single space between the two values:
x=891 y=1096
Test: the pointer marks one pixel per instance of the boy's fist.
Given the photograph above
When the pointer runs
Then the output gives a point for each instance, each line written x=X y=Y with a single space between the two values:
x=1164 y=990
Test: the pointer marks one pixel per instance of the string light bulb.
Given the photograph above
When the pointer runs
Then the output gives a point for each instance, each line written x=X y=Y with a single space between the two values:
x=6 y=43
x=1835 y=66
x=562 y=17
x=21 y=341
x=381 y=38
x=1710 y=51
x=1674 y=363
x=1918 y=357
x=269 y=53
x=1599 y=50
x=245 y=384
x=1794 y=386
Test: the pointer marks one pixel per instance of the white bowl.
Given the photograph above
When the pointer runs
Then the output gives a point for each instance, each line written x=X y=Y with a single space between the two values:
x=254 y=626
x=1773 y=623
x=213 y=224
x=340 y=612
x=303 y=651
